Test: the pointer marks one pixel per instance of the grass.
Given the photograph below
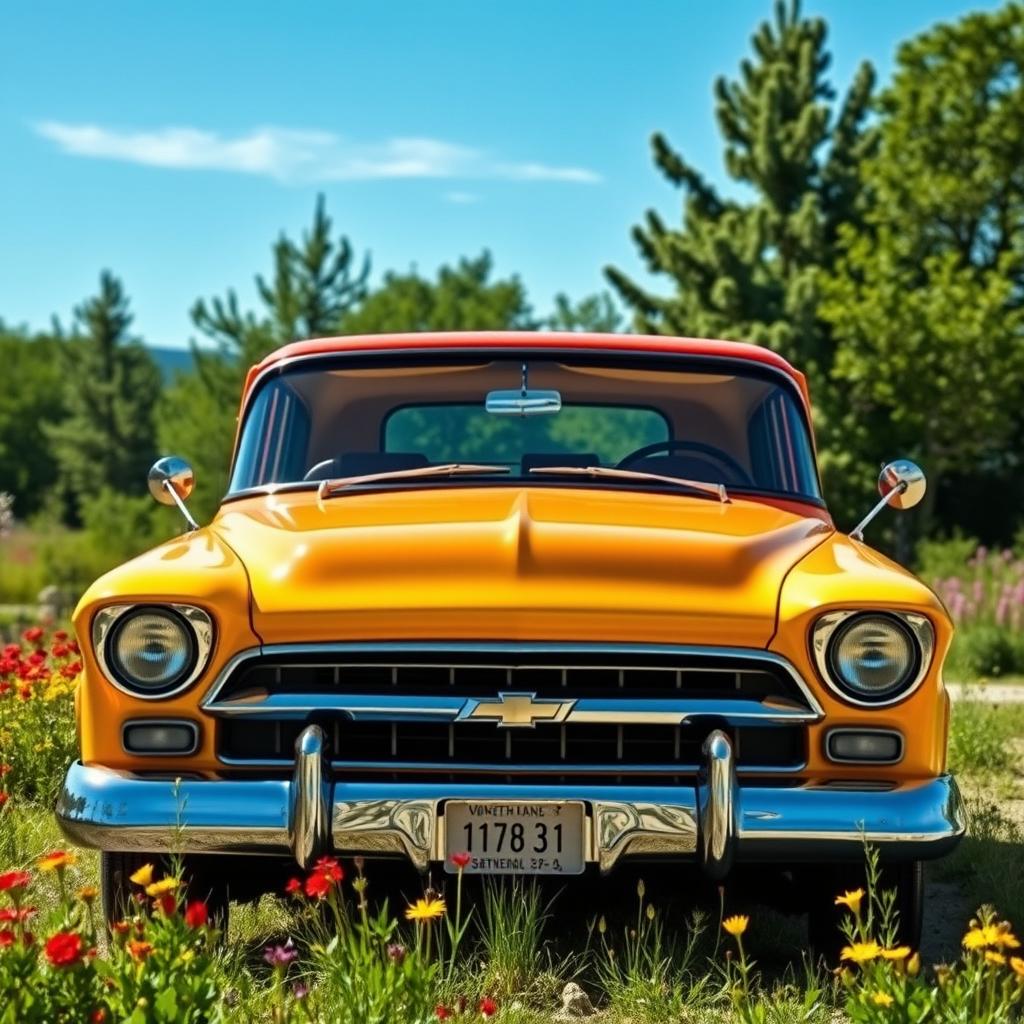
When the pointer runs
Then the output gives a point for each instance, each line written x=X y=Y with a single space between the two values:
x=636 y=960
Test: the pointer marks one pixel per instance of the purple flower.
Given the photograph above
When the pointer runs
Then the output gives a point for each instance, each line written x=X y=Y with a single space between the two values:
x=300 y=991
x=396 y=952
x=280 y=956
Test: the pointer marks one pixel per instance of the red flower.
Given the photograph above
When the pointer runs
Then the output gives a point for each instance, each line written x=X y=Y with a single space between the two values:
x=488 y=1007
x=16 y=913
x=5 y=769
x=73 y=647
x=5 y=687
x=98 y=1016
x=60 y=635
x=71 y=669
x=330 y=867
x=3 y=798
x=14 y=881
x=36 y=658
x=167 y=903
x=196 y=914
x=318 y=885
x=12 y=651
x=442 y=1012
x=461 y=860
x=25 y=692
x=64 y=949
x=121 y=927
x=6 y=938
x=59 y=650
x=294 y=887
x=139 y=950
x=33 y=635
x=8 y=665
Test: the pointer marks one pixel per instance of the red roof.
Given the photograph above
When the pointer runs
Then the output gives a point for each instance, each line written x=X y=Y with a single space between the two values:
x=533 y=339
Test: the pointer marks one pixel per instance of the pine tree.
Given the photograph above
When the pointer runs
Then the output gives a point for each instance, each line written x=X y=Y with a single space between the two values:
x=106 y=440
x=314 y=283
x=746 y=269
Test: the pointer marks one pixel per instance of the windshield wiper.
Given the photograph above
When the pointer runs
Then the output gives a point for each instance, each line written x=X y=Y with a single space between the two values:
x=700 y=486
x=329 y=487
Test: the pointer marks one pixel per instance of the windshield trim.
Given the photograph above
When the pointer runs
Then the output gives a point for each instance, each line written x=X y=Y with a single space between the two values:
x=596 y=356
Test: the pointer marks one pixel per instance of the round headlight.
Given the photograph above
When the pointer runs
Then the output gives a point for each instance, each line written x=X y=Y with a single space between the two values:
x=873 y=657
x=151 y=650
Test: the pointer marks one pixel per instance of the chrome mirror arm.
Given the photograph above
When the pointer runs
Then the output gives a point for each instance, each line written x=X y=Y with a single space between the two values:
x=857 y=533
x=182 y=507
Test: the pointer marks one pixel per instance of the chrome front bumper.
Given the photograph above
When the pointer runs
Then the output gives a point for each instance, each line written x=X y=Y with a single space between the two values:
x=716 y=822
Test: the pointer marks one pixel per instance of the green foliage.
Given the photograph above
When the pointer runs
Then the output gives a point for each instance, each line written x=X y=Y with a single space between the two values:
x=110 y=387
x=925 y=299
x=982 y=736
x=594 y=313
x=33 y=399
x=462 y=298
x=983 y=651
x=313 y=285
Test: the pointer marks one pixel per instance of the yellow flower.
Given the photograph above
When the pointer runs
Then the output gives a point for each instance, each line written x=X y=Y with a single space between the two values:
x=144 y=875
x=425 y=910
x=861 y=952
x=168 y=884
x=88 y=893
x=995 y=958
x=1018 y=966
x=59 y=859
x=899 y=953
x=186 y=955
x=736 y=925
x=851 y=900
x=914 y=965
x=997 y=935
x=882 y=999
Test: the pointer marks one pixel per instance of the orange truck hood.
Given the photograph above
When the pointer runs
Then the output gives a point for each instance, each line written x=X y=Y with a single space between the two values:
x=515 y=564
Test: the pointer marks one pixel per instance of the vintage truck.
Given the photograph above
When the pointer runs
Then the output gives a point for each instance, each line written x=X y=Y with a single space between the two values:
x=563 y=601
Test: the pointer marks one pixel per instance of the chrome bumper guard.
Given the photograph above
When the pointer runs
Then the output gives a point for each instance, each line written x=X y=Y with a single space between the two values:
x=716 y=822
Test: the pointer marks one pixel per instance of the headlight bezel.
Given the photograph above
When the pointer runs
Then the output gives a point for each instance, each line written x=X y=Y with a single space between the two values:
x=833 y=625
x=107 y=624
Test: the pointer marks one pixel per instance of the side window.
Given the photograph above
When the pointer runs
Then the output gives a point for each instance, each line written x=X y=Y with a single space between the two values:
x=778 y=449
x=276 y=450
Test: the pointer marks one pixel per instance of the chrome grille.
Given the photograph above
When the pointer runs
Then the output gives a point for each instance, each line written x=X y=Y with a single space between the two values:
x=406 y=708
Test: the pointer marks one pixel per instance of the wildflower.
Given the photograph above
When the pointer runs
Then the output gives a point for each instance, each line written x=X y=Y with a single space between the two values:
x=166 y=903
x=5 y=769
x=3 y=798
x=602 y=925
x=425 y=910
x=294 y=887
x=98 y=1016
x=1018 y=966
x=914 y=965
x=168 y=884
x=360 y=884
x=736 y=925
x=442 y=1012
x=300 y=991
x=33 y=635
x=898 y=953
x=14 y=881
x=57 y=861
x=882 y=999
x=88 y=893
x=64 y=949
x=144 y=875
x=196 y=914
x=139 y=950
x=71 y=669
x=186 y=956
x=280 y=956
x=330 y=867
x=396 y=953
x=6 y=938
x=488 y=1007
x=318 y=885
x=60 y=636
x=641 y=889
x=995 y=958
x=461 y=860
x=651 y=912
x=16 y=914
x=861 y=952
x=851 y=900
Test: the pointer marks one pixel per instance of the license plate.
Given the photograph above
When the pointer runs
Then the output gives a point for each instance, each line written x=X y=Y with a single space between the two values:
x=516 y=838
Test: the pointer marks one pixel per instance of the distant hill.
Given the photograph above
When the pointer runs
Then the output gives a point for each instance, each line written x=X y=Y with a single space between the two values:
x=171 y=360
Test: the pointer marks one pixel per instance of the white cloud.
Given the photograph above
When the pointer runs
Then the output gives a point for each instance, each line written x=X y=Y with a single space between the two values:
x=288 y=155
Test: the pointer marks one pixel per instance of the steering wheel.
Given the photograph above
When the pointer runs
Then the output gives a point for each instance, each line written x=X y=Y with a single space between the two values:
x=706 y=451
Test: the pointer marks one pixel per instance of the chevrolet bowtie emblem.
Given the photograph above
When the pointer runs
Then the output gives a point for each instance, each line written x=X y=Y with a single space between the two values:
x=517 y=710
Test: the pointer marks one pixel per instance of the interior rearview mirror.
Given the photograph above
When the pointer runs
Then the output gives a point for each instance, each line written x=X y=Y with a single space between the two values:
x=523 y=403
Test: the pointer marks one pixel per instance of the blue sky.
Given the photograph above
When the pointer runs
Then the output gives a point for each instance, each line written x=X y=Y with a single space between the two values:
x=172 y=143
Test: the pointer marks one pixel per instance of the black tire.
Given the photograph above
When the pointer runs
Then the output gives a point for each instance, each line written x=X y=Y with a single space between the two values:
x=824 y=918
x=117 y=892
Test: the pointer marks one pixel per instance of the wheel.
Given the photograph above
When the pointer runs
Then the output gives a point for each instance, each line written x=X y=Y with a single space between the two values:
x=824 y=918
x=117 y=891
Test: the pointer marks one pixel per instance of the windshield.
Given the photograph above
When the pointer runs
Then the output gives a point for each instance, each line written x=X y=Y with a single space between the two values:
x=338 y=419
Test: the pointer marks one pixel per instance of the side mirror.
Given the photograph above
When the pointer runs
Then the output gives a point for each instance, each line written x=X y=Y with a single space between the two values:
x=901 y=484
x=171 y=481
